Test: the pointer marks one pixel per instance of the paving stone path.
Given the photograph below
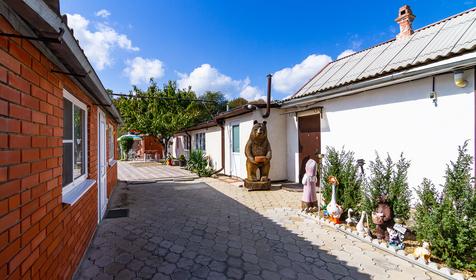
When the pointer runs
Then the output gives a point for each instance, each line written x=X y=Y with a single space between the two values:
x=210 y=229
x=150 y=171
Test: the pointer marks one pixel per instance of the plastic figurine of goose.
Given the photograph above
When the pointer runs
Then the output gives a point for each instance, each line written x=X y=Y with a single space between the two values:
x=334 y=209
x=361 y=229
x=350 y=220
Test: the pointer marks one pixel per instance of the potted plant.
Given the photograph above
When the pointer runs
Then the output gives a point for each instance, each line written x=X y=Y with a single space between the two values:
x=182 y=161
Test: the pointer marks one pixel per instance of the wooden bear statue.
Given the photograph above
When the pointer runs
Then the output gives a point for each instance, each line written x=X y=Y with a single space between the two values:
x=258 y=153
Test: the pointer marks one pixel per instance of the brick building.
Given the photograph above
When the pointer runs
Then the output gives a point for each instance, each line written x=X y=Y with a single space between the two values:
x=57 y=148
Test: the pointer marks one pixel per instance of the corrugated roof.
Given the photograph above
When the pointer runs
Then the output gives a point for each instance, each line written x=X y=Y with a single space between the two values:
x=446 y=38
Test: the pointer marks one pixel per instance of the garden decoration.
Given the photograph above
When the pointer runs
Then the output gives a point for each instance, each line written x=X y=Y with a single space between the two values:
x=333 y=209
x=382 y=218
x=350 y=220
x=309 y=180
x=258 y=157
x=361 y=229
x=395 y=239
x=423 y=252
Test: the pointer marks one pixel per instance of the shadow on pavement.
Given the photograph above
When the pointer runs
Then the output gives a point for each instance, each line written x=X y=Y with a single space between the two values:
x=192 y=231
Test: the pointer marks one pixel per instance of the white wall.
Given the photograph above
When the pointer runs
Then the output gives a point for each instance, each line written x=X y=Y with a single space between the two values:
x=401 y=118
x=276 y=125
x=212 y=144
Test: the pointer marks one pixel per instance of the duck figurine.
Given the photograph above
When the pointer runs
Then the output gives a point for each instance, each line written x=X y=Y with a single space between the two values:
x=350 y=220
x=334 y=209
x=361 y=229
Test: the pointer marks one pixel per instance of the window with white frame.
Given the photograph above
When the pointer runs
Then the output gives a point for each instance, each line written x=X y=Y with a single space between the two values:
x=110 y=139
x=74 y=142
x=200 y=141
x=186 y=142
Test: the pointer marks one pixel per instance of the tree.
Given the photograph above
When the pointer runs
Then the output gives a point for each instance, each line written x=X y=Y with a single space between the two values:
x=212 y=103
x=448 y=220
x=341 y=165
x=159 y=112
x=388 y=178
x=237 y=102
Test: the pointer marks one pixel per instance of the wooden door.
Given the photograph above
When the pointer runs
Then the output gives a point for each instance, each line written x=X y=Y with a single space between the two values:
x=309 y=128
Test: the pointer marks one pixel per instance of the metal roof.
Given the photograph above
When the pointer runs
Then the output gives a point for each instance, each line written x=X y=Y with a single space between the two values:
x=440 y=40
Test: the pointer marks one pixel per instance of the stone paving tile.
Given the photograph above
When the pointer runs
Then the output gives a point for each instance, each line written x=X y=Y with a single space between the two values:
x=210 y=229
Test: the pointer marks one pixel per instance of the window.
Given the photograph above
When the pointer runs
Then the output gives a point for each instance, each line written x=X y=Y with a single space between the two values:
x=200 y=141
x=186 y=142
x=74 y=142
x=110 y=139
x=235 y=130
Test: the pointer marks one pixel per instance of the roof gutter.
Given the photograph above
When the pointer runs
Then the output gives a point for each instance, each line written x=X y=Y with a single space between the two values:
x=460 y=62
x=91 y=81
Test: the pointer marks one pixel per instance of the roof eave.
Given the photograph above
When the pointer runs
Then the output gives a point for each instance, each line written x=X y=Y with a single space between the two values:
x=39 y=15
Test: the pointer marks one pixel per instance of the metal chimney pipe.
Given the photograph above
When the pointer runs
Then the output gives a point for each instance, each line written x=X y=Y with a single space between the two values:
x=268 y=98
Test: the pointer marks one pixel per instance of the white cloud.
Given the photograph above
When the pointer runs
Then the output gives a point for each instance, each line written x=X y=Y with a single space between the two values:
x=103 y=13
x=345 y=53
x=140 y=70
x=98 y=44
x=251 y=93
x=208 y=78
x=289 y=79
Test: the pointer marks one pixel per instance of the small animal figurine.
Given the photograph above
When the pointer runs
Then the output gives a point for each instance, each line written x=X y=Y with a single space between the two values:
x=334 y=210
x=395 y=239
x=309 y=180
x=360 y=225
x=350 y=220
x=382 y=218
x=423 y=252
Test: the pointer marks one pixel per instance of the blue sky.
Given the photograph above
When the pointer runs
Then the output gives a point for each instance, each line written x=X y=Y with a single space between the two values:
x=232 y=45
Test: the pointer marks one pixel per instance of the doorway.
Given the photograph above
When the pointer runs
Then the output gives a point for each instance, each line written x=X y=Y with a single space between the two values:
x=102 y=166
x=235 y=155
x=309 y=130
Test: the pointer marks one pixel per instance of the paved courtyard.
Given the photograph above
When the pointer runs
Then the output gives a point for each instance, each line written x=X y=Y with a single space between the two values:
x=210 y=229
x=150 y=171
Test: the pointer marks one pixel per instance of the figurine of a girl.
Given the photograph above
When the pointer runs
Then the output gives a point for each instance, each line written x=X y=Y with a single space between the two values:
x=309 y=180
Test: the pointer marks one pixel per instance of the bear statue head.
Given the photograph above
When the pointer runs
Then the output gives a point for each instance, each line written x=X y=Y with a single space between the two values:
x=259 y=131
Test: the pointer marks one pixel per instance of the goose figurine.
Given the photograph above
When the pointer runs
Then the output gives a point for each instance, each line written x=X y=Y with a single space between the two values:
x=350 y=220
x=334 y=209
x=360 y=225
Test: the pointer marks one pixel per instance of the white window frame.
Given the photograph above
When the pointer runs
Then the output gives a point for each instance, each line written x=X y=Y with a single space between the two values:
x=110 y=135
x=78 y=181
x=197 y=143
x=185 y=144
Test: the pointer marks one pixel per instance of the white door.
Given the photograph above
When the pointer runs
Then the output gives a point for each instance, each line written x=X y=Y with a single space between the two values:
x=235 y=150
x=102 y=166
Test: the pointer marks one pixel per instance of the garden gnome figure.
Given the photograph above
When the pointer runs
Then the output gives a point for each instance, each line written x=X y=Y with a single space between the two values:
x=309 y=180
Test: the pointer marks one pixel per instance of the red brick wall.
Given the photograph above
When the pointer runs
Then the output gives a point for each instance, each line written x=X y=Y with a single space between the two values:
x=38 y=234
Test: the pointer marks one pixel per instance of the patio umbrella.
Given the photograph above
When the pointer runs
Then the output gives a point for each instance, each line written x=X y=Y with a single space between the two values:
x=133 y=136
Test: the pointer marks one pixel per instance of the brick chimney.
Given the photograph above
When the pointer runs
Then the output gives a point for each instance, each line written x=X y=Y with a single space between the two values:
x=405 y=19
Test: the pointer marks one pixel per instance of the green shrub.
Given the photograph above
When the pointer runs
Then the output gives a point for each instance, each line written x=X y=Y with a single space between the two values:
x=341 y=165
x=388 y=178
x=448 y=220
x=198 y=163
x=125 y=143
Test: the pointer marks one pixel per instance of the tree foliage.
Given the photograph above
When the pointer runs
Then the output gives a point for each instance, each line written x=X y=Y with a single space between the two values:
x=159 y=111
x=341 y=164
x=448 y=220
x=389 y=178
x=237 y=102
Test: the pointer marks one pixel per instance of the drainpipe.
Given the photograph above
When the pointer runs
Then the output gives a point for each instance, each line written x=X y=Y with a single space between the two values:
x=221 y=123
x=474 y=95
x=268 y=98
